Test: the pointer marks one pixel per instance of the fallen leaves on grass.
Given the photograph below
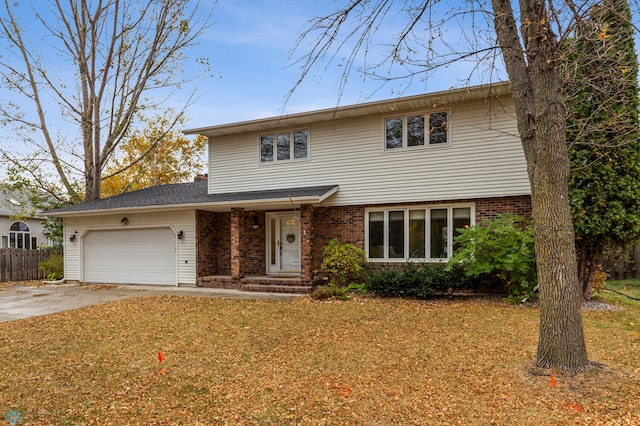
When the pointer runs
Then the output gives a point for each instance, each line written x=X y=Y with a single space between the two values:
x=365 y=361
x=573 y=406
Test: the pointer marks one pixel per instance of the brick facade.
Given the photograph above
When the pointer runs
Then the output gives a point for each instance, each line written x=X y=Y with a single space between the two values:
x=213 y=248
x=489 y=208
x=307 y=242
x=255 y=244
x=235 y=243
x=346 y=224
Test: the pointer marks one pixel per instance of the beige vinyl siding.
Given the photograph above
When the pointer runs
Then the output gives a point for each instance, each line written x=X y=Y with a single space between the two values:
x=71 y=251
x=484 y=159
x=178 y=221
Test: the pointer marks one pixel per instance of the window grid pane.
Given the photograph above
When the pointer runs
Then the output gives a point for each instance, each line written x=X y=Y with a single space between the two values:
x=415 y=130
x=300 y=144
x=396 y=234
x=266 y=148
x=284 y=146
x=417 y=234
x=394 y=133
x=439 y=239
x=438 y=128
x=376 y=235
x=19 y=226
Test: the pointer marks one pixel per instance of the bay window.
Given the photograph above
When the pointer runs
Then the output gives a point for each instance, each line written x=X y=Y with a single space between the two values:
x=416 y=232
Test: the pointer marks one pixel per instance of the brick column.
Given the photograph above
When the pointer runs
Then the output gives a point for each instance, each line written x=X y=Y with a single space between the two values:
x=306 y=243
x=236 y=235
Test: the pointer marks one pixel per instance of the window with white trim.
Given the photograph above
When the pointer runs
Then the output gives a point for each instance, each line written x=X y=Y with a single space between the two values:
x=415 y=232
x=284 y=146
x=417 y=130
x=20 y=236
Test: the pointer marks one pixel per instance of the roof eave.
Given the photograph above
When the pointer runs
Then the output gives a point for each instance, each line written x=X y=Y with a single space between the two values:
x=274 y=203
x=350 y=111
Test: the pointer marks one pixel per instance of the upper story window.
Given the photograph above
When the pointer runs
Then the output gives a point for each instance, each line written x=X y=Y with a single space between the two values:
x=284 y=146
x=417 y=130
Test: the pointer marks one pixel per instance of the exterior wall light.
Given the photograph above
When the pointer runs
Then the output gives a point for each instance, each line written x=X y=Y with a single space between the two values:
x=72 y=238
x=124 y=221
x=180 y=235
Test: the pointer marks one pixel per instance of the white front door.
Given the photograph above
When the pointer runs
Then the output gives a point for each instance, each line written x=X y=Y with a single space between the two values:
x=283 y=243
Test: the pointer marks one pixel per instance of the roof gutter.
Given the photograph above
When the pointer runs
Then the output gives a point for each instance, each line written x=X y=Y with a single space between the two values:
x=221 y=205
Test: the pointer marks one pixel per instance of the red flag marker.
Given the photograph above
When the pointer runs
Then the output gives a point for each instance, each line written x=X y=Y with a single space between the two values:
x=552 y=380
x=160 y=357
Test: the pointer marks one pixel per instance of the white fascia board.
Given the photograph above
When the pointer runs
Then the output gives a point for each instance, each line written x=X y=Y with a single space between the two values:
x=219 y=206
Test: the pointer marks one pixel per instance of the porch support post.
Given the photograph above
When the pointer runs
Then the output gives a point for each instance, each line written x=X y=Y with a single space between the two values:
x=306 y=244
x=237 y=231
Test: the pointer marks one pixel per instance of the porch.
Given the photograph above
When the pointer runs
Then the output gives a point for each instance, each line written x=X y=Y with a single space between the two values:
x=270 y=241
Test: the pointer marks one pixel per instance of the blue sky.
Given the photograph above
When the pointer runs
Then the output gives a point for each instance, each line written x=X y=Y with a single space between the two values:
x=249 y=47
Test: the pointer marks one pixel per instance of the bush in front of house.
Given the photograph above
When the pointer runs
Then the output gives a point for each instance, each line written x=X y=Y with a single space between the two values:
x=419 y=280
x=500 y=250
x=342 y=264
x=53 y=267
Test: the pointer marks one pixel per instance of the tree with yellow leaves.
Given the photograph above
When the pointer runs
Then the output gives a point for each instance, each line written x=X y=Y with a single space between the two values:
x=154 y=156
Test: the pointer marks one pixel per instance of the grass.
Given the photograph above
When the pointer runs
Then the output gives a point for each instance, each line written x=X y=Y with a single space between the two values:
x=364 y=361
x=628 y=287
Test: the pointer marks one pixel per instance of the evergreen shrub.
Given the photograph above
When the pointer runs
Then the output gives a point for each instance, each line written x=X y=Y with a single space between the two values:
x=418 y=280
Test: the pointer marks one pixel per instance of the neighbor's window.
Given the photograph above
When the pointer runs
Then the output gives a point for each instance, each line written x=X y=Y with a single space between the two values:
x=417 y=130
x=20 y=236
x=284 y=146
x=416 y=232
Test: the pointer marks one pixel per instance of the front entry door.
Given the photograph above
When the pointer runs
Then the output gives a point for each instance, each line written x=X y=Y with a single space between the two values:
x=283 y=245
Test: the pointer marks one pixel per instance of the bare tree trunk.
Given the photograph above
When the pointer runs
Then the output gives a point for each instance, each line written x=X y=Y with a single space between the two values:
x=120 y=50
x=561 y=343
x=541 y=113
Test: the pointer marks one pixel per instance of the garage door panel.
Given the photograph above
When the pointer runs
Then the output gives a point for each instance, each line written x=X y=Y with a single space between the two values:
x=130 y=256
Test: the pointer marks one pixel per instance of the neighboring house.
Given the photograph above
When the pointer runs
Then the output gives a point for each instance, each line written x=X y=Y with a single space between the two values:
x=17 y=231
x=395 y=177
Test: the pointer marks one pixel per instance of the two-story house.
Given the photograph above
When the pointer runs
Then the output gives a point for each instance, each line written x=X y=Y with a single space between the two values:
x=395 y=177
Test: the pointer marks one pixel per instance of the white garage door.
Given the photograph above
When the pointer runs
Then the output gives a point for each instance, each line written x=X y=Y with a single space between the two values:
x=130 y=256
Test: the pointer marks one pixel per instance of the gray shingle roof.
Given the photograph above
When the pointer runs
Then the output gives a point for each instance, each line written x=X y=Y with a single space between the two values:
x=14 y=202
x=192 y=193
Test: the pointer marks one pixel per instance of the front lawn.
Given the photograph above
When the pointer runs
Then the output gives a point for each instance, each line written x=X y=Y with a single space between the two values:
x=363 y=361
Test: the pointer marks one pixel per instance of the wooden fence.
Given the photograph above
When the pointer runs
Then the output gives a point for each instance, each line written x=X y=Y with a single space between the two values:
x=22 y=264
x=629 y=267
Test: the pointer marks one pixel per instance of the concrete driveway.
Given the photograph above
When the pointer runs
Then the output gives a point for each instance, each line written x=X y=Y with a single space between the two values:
x=26 y=302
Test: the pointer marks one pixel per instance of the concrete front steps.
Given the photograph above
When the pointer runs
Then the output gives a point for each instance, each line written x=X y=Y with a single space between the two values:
x=264 y=284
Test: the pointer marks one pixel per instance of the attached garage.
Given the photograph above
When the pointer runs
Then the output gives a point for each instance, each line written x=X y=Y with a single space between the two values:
x=130 y=256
